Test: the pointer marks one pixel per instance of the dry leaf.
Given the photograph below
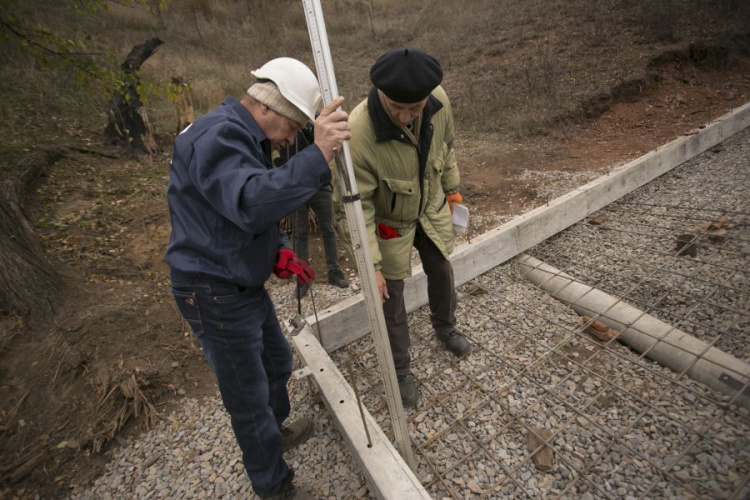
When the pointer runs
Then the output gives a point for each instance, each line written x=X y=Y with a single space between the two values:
x=477 y=289
x=719 y=223
x=599 y=330
x=598 y=220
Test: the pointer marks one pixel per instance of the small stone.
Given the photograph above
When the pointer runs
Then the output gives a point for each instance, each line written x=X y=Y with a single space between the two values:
x=474 y=487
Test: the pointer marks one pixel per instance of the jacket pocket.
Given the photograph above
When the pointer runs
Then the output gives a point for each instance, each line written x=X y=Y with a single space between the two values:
x=402 y=200
x=187 y=303
x=395 y=254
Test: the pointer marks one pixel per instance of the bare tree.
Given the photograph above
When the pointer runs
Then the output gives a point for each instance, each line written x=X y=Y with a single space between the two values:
x=128 y=120
x=29 y=286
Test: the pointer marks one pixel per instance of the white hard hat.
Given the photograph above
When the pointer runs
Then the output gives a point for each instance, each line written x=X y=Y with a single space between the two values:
x=295 y=81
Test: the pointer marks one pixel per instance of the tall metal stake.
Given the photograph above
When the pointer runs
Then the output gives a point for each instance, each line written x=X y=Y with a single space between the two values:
x=353 y=206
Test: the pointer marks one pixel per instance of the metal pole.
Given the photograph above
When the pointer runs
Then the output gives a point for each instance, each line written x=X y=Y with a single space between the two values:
x=357 y=229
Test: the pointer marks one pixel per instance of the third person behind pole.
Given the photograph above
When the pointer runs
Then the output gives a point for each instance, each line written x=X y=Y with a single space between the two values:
x=321 y=203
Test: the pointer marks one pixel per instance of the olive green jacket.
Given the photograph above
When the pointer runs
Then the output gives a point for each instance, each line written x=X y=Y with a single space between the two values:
x=387 y=169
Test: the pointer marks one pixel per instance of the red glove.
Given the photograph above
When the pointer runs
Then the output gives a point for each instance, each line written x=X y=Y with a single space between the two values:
x=454 y=198
x=288 y=264
x=386 y=232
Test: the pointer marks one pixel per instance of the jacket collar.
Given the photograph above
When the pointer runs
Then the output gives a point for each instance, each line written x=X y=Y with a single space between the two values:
x=382 y=125
x=247 y=119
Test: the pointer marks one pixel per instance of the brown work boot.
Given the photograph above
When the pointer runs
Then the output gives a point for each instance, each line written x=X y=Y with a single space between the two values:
x=289 y=491
x=409 y=389
x=455 y=342
x=296 y=433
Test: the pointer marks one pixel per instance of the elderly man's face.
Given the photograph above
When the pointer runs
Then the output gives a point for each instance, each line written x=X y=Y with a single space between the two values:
x=280 y=130
x=402 y=113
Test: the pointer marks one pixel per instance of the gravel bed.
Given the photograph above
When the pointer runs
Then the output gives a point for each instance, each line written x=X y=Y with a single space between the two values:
x=634 y=253
x=621 y=426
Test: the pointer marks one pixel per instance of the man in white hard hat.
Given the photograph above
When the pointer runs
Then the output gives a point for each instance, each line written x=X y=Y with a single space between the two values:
x=225 y=202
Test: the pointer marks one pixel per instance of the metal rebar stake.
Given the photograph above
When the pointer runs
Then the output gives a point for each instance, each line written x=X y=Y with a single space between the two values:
x=359 y=400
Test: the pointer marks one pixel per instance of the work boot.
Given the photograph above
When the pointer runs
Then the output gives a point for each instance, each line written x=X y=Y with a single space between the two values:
x=408 y=388
x=302 y=289
x=336 y=278
x=456 y=343
x=291 y=492
x=296 y=433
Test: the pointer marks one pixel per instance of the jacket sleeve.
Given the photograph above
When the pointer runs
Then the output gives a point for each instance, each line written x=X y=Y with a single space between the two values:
x=451 y=178
x=229 y=171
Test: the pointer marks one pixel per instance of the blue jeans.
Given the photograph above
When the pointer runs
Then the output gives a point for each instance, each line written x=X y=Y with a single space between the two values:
x=322 y=204
x=243 y=342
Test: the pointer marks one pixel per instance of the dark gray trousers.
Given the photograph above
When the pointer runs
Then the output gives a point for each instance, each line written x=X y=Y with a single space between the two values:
x=441 y=295
x=322 y=205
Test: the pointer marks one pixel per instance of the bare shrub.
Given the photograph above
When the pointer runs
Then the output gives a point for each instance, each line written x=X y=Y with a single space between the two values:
x=659 y=20
x=600 y=15
x=541 y=75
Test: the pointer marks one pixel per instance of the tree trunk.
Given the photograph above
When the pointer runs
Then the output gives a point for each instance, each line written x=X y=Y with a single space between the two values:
x=128 y=120
x=183 y=103
x=28 y=284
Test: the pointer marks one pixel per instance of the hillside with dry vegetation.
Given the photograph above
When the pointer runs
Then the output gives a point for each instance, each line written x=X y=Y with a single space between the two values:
x=541 y=89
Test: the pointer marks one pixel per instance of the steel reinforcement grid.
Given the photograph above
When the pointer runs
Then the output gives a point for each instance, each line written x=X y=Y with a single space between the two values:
x=542 y=407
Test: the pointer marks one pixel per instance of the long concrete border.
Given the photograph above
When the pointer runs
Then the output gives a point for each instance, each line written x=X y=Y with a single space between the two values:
x=389 y=477
x=348 y=319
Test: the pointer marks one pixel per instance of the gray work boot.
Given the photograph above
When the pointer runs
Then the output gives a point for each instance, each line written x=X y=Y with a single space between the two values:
x=456 y=343
x=408 y=388
x=296 y=433
x=336 y=278
x=291 y=492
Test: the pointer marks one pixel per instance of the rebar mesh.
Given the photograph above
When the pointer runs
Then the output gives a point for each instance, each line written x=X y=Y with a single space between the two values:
x=619 y=424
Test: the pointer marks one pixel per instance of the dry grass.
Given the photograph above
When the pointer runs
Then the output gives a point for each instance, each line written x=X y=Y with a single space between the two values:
x=507 y=67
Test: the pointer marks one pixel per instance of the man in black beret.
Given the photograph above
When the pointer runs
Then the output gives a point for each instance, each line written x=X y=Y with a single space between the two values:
x=402 y=153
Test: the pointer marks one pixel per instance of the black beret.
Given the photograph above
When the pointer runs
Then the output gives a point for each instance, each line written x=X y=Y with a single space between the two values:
x=406 y=75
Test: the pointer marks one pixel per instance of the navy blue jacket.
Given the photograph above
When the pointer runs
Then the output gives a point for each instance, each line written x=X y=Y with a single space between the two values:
x=226 y=201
